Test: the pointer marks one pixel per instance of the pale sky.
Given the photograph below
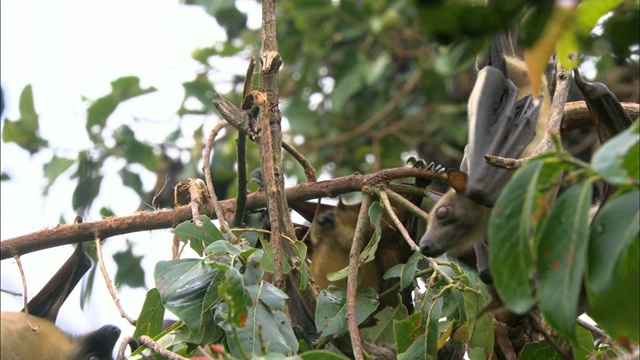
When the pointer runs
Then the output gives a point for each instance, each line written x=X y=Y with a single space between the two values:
x=68 y=49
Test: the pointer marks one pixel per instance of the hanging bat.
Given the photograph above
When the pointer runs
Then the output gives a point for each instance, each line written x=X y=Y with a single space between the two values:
x=332 y=234
x=19 y=341
x=607 y=115
x=505 y=121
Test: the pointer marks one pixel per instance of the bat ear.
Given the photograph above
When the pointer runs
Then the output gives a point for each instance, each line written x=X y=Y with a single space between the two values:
x=458 y=180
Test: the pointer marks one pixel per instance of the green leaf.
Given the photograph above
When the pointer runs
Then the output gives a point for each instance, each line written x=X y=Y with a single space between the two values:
x=349 y=81
x=510 y=257
x=122 y=89
x=585 y=18
x=183 y=284
x=25 y=131
x=409 y=331
x=458 y=57
x=615 y=160
x=198 y=236
x=479 y=327
x=613 y=281
x=538 y=351
x=321 y=355
x=562 y=249
x=133 y=150
x=331 y=309
x=130 y=271
x=614 y=228
x=53 y=169
x=233 y=292
x=151 y=317
x=132 y=180
x=382 y=331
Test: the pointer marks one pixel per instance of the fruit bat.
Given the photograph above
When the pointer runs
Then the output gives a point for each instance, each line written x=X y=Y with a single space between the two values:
x=607 y=115
x=332 y=234
x=505 y=121
x=19 y=341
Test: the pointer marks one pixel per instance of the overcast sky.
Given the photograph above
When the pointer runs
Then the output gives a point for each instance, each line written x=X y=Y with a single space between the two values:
x=68 y=49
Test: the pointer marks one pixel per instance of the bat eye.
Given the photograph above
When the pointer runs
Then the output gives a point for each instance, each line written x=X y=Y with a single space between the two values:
x=442 y=212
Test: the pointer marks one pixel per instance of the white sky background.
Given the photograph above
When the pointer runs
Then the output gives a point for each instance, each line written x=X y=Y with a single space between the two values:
x=72 y=48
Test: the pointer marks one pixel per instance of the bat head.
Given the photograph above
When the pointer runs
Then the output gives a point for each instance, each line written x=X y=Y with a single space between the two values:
x=456 y=222
x=97 y=345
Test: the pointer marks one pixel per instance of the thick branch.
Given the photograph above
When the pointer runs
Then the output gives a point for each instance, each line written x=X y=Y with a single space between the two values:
x=163 y=219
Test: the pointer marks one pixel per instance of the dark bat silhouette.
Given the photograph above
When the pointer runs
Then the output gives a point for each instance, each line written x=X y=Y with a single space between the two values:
x=19 y=341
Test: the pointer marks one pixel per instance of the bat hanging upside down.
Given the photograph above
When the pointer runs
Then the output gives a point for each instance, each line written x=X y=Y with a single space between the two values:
x=20 y=342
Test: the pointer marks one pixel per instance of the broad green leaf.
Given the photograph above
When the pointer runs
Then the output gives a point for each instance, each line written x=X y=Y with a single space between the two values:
x=182 y=285
x=233 y=292
x=130 y=271
x=122 y=89
x=198 y=237
x=202 y=89
x=55 y=168
x=562 y=249
x=510 y=256
x=272 y=297
x=133 y=150
x=583 y=345
x=613 y=281
x=382 y=331
x=538 y=351
x=479 y=327
x=614 y=160
x=151 y=317
x=265 y=331
x=613 y=230
x=408 y=331
x=132 y=180
x=331 y=309
x=25 y=131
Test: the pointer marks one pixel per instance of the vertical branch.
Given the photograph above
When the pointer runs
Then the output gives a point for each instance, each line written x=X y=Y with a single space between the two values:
x=352 y=280
x=270 y=145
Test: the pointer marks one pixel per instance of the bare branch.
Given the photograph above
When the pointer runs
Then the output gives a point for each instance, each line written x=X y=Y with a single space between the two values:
x=109 y=284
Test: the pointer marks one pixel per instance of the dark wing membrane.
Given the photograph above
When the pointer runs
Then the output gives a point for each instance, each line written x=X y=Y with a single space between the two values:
x=50 y=298
x=498 y=125
x=607 y=114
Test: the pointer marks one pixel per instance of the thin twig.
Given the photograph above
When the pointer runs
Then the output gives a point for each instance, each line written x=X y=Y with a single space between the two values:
x=593 y=328
x=352 y=279
x=554 y=344
x=206 y=167
x=407 y=204
x=405 y=234
x=158 y=349
x=309 y=171
x=109 y=283
x=24 y=293
x=127 y=340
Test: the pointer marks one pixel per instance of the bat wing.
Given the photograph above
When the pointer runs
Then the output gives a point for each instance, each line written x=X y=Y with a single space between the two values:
x=50 y=298
x=498 y=125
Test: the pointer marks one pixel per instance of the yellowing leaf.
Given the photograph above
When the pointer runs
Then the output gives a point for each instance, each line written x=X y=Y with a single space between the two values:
x=538 y=55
